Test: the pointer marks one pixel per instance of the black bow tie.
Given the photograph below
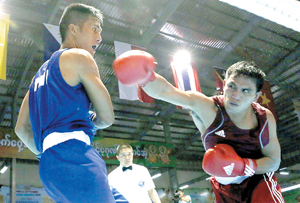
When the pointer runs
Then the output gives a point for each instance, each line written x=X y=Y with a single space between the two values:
x=125 y=168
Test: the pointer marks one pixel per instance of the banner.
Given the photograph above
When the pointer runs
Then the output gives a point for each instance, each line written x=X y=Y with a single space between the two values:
x=12 y=147
x=134 y=92
x=185 y=78
x=144 y=153
x=4 y=27
x=25 y=194
x=266 y=99
x=52 y=40
x=219 y=75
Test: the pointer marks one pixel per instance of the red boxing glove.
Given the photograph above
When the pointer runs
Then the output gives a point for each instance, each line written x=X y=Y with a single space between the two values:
x=135 y=67
x=223 y=161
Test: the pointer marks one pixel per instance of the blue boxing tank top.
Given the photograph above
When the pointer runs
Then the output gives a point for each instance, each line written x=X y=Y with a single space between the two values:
x=54 y=105
x=247 y=143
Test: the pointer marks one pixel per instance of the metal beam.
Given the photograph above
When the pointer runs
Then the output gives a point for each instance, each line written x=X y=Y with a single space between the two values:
x=120 y=114
x=20 y=14
x=164 y=15
x=6 y=98
x=173 y=178
x=188 y=143
x=274 y=72
x=236 y=40
x=292 y=89
x=54 y=11
x=281 y=67
x=33 y=52
x=13 y=179
x=2 y=111
x=290 y=158
x=161 y=115
x=203 y=177
x=167 y=132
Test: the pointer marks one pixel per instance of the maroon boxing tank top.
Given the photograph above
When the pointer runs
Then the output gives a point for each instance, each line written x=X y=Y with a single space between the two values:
x=247 y=143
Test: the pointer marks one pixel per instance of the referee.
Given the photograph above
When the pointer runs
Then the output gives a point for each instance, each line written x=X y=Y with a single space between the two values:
x=131 y=180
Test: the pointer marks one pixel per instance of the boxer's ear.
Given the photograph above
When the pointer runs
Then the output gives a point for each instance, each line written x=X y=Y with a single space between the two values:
x=258 y=94
x=224 y=83
x=73 y=29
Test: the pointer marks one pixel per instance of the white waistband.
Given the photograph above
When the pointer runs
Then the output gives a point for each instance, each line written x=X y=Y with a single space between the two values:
x=56 y=138
x=231 y=180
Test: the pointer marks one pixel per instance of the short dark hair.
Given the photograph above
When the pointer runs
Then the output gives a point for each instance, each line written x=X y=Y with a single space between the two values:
x=249 y=69
x=77 y=14
x=123 y=146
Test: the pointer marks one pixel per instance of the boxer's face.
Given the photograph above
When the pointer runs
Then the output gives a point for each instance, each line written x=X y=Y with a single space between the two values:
x=239 y=93
x=125 y=157
x=88 y=35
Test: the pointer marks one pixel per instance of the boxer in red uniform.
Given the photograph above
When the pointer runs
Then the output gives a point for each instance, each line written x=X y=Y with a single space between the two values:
x=239 y=135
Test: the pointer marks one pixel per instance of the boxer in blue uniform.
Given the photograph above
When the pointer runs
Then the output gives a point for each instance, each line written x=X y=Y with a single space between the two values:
x=55 y=121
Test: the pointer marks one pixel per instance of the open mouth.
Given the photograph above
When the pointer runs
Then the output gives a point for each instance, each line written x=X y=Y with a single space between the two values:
x=95 y=47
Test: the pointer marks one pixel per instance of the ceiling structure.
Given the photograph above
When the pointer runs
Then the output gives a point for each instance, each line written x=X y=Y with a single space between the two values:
x=215 y=33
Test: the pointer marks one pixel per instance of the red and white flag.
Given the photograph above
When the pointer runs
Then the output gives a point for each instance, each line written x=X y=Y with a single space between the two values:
x=185 y=77
x=134 y=92
x=219 y=75
x=297 y=106
x=266 y=99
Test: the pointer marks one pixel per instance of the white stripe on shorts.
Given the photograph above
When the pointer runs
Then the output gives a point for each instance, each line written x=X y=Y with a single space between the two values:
x=271 y=183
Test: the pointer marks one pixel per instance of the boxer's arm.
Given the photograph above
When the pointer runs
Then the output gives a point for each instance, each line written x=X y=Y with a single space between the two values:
x=137 y=68
x=272 y=152
x=88 y=74
x=161 y=89
x=23 y=127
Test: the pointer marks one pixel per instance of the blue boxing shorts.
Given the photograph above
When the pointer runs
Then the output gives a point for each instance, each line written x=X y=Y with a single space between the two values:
x=73 y=171
x=118 y=196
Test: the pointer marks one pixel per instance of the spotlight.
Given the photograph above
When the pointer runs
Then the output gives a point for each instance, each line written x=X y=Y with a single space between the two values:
x=284 y=171
x=204 y=193
x=183 y=187
x=3 y=167
x=290 y=188
x=182 y=59
x=156 y=176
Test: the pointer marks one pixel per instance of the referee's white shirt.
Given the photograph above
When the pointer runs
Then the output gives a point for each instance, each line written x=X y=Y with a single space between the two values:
x=132 y=184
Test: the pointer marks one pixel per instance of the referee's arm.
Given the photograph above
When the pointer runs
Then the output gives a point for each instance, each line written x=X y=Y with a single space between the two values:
x=153 y=195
